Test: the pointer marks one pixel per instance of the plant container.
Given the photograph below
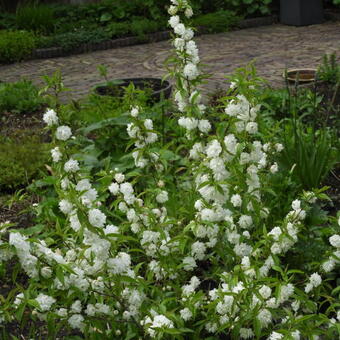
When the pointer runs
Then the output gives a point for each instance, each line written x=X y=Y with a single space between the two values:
x=301 y=12
x=300 y=75
x=116 y=88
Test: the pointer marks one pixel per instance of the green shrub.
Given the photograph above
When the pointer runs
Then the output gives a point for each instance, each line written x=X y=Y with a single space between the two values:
x=71 y=40
x=19 y=97
x=35 y=17
x=21 y=157
x=118 y=29
x=220 y=21
x=108 y=11
x=15 y=45
x=241 y=7
x=140 y=27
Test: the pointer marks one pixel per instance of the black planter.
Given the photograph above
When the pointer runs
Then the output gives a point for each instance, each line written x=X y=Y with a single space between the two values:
x=301 y=12
x=159 y=89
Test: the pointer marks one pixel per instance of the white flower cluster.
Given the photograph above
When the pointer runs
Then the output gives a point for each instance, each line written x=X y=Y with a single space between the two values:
x=224 y=299
x=56 y=154
x=286 y=236
x=162 y=196
x=334 y=258
x=314 y=281
x=62 y=133
x=187 y=53
x=141 y=219
x=45 y=302
x=241 y=109
x=134 y=300
x=157 y=321
x=50 y=117
x=76 y=321
x=190 y=288
x=97 y=309
x=141 y=131
x=123 y=188
x=23 y=250
x=97 y=218
x=88 y=194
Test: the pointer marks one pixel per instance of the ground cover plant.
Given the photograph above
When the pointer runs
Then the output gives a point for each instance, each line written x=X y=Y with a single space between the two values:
x=22 y=156
x=192 y=233
x=30 y=100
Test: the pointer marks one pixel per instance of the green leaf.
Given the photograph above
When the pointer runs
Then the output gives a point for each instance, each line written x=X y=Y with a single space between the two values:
x=105 y=17
x=33 y=303
x=20 y=311
x=257 y=328
x=119 y=121
x=171 y=331
x=336 y=290
x=33 y=230
x=60 y=274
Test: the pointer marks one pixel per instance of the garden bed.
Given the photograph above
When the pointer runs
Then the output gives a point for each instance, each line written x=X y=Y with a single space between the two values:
x=53 y=52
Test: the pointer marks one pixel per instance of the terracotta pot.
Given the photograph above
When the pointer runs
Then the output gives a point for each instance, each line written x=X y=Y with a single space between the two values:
x=300 y=76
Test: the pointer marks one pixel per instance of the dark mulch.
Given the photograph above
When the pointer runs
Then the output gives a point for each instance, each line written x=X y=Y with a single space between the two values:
x=12 y=124
x=17 y=211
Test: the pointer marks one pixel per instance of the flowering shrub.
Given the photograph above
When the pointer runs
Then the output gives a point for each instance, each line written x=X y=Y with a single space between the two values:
x=187 y=245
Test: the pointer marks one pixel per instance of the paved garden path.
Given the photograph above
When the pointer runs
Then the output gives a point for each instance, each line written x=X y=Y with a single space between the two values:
x=273 y=48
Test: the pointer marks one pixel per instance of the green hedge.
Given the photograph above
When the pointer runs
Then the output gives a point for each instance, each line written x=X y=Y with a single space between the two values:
x=70 y=40
x=15 y=45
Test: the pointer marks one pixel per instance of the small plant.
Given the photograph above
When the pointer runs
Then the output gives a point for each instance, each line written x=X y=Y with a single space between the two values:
x=15 y=45
x=17 y=197
x=277 y=102
x=308 y=154
x=21 y=157
x=19 y=97
x=329 y=70
x=35 y=17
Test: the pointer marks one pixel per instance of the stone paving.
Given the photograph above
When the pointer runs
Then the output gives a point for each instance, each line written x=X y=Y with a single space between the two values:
x=273 y=48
